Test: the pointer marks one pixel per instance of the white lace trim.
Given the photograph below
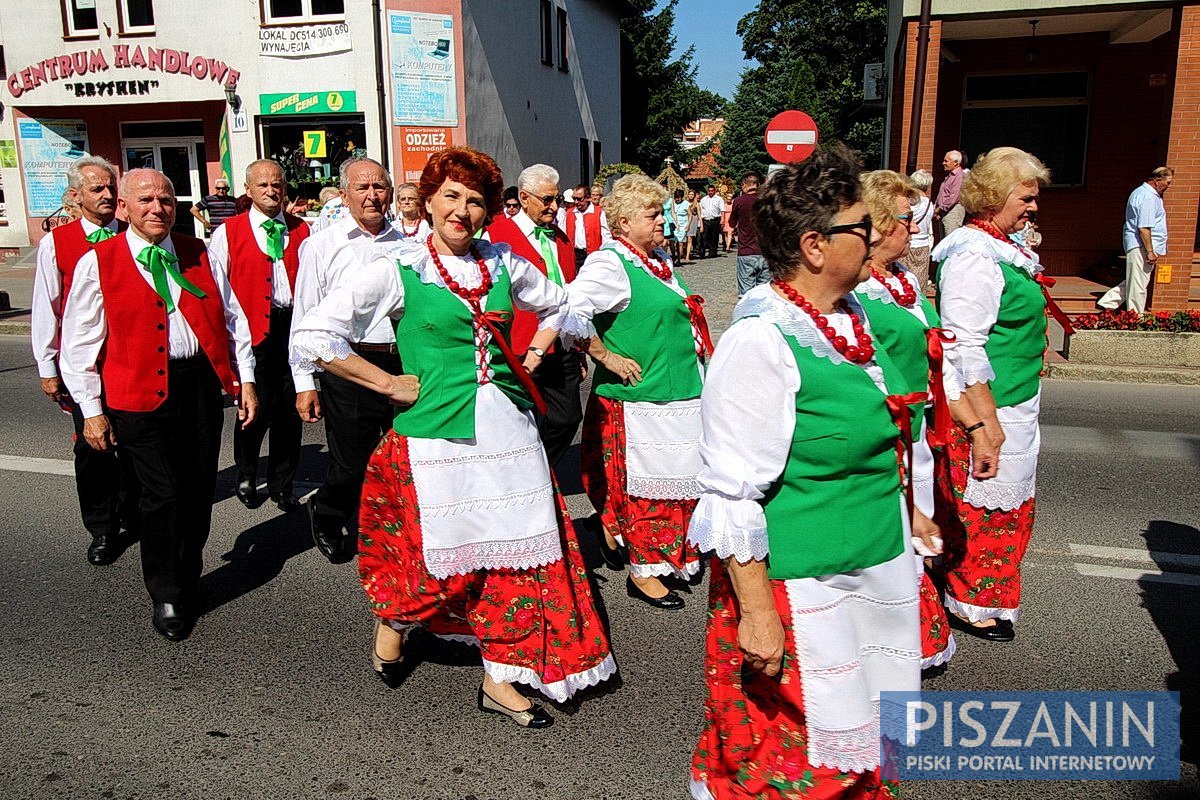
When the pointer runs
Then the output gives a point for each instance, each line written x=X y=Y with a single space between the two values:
x=309 y=347
x=850 y=750
x=515 y=554
x=699 y=790
x=976 y=373
x=726 y=538
x=559 y=691
x=504 y=455
x=690 y=568
x=461 y=638
x=877 y=291
x=540 y=494
x=659 y=254
x=1000 y=496
x=420 y=262
x=979 y=613
x=574 y=327
x=976 y=242
x=662 y=487
x=942 y=657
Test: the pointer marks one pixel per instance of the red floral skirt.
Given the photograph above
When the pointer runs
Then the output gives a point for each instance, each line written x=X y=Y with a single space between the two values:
x=654 y=531
x=754 y=742
x=936 y=639
x=981 y=564
x=536 y=626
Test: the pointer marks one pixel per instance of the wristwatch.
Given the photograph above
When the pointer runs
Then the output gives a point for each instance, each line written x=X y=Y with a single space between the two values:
x=537 y=351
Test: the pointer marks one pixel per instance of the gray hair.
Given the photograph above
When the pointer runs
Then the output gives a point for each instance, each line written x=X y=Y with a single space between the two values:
x=262 y=162
x=344 y=170
x=135 y=174
x=75 y=171
x=922 y=179
x=955 y=156
x=536 y=174
x=1162 y=172
x=408 y=185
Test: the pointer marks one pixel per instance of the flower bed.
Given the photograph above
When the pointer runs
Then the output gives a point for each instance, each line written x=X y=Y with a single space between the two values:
x=1164 y=321
x=1164 y=339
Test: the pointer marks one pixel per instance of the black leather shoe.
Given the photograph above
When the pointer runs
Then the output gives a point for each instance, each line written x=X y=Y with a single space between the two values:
x=533 y=717
x=330 y=543
x=614 y=557
x=171 y=623
x=668 y=602
x=247 y=493
x=105 y=549
x=287 y=503
x=1002 y=631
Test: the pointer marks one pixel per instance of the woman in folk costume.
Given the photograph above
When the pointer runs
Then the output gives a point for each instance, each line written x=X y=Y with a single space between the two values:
x=905 y=324
x=813 y=602
x=462 y=529
x=641 y=435
x=991 y=297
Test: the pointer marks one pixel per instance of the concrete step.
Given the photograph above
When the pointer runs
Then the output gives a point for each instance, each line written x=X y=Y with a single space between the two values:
x=1123 y=373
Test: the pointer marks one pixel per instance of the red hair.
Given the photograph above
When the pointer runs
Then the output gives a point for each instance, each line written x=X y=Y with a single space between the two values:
x=474 y=169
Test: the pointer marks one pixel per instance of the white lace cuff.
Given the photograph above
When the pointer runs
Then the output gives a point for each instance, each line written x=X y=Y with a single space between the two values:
x=974 y=366
x=573 y=327
x=728 y=527
x=309 y=347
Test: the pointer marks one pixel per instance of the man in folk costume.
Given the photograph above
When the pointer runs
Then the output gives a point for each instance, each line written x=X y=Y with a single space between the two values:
x=152 y=327
x=533 y=235
x=259 y=252
x=106 y=487
x=586 y=225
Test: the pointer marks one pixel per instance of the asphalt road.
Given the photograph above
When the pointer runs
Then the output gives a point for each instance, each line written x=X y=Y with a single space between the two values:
x=273 y=697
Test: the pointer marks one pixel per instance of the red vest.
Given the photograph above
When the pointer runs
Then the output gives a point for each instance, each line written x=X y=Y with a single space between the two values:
x=251 y=271
x=70 y=245
x=133 y=364
x=504 y=230
x=591 y=227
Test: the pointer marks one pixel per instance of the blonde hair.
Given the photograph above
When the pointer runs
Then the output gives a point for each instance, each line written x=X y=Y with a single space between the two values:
x=630 y=195
x=922 y=179
x=880 y=188
x=996 y=174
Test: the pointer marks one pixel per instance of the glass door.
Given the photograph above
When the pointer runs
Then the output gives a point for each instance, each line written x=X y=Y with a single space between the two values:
x=179 y=160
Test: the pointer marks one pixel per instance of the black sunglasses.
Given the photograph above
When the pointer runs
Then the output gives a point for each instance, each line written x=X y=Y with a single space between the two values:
x=550 y=198
x=512 y=205
x=863 y=224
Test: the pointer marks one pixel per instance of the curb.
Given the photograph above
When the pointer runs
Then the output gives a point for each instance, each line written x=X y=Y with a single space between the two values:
x=1124 y=373
x=14 y=328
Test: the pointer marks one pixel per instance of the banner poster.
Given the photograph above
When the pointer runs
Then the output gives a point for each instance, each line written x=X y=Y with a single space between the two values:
x=48 y=146
x=423 y=69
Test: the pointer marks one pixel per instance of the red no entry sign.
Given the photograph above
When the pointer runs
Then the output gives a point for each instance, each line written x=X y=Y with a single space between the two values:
x=791 y=136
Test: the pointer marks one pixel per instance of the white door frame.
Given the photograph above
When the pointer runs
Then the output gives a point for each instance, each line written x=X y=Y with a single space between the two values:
x=193 y=193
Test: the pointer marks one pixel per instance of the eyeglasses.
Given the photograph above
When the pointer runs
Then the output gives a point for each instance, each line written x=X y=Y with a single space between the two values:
x=904 y=218
x=863 y=224
x=222 y=188
x=512 y=205
x=406 y=199
x=550 y=198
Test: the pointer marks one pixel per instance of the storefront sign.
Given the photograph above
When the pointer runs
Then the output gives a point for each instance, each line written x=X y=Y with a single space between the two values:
x=48 y=146
x=304 y=40
x=314 y=144
x=417 y=145
x=308 y=103
x=424 y=82
x=121 y=56
x=112 y=88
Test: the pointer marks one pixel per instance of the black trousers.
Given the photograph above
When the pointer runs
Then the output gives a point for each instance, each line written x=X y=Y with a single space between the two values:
x=581 y=255
x=276 y=412
x=710 y=237
x=174 y=450
x=356 y=418
x=558 y=377
x=106 y=486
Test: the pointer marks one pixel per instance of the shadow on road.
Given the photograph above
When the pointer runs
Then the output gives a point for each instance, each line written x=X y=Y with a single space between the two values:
x=1170 y=605
x=256 y=558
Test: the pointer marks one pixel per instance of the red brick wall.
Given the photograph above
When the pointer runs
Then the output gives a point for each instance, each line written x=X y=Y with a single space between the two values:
x=1184 y=155
x=901 y=121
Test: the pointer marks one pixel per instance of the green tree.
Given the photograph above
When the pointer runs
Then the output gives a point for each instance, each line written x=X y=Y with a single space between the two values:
x=659 y=93
x=812 y=54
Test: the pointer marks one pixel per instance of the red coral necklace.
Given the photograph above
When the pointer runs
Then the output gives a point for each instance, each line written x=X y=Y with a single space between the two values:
x=861 y=353
x=470 y=295
x=658 y=268
x=907 y=298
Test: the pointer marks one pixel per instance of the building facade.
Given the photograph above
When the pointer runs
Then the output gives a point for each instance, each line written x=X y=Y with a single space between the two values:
x=1103 y=92
x=202 y=89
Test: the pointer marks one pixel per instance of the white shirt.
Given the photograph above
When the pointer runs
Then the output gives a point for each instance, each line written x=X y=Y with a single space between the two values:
x=218 y=254
x=47 y=305
x=406 y=231
x=85 y=327
x=922 y=213
x=712 y=207
x=327 y=260
x=578 y=236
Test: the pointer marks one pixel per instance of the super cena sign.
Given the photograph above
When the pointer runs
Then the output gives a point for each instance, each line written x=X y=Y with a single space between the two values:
x=121 y=56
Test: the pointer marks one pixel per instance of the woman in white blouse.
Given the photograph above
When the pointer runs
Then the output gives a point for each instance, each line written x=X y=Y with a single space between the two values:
x=462 y=530
x=813 y=602
x=991 y=298
x=641 y=430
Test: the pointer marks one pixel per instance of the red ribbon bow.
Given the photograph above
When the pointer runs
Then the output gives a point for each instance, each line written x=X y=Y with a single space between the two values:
x=695 y=304
x=943 y=425
x=1046 y=282
x=898 y=407
x=490 y=320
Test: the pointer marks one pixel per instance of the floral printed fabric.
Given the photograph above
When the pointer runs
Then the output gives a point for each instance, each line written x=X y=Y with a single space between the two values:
x=983 y=547
x=655 y=531
x=537 y=626
x=935 y=632
x=754 y=742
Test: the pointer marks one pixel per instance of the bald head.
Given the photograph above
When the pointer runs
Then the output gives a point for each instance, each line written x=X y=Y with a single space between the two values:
x=265 y=186
x=148 y=200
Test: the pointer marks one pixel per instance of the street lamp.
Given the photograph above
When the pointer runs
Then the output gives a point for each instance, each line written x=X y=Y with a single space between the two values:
x=231 y=96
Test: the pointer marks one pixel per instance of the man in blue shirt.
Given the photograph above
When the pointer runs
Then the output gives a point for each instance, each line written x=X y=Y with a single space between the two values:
x=1144 y=238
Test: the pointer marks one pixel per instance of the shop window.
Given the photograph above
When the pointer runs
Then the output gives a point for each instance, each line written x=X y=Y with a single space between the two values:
x=562 y=40
x=136 y=16
x=290 y=12
x=1046 y=114
x=79 y=18
x=283 y=139
x=547 y=33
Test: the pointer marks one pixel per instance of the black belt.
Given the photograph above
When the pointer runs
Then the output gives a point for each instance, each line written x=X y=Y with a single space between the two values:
x=368 y=347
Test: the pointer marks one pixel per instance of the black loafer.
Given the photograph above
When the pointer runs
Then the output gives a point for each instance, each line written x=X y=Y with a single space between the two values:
x=330 y=543
x=170 y=622
x=287 y=503
x=668 y=602
x=1002 y=631
x=247 y=493
x=614 y=557
x=533 y=717
x=390 y=672
x=105 y=549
